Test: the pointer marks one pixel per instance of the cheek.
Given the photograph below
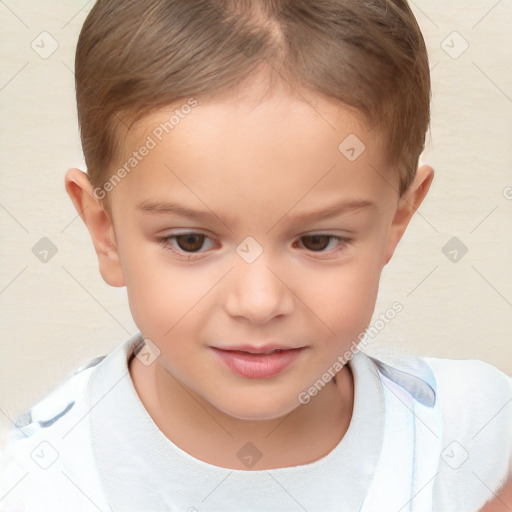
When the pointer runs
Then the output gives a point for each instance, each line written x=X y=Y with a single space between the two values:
x=162 y=295
x=345 y=299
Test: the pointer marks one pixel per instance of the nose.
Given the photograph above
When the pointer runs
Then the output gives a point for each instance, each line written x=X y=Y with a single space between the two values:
x=257 y=293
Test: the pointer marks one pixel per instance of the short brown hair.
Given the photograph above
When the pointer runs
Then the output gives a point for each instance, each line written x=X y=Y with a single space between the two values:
x=136 y=56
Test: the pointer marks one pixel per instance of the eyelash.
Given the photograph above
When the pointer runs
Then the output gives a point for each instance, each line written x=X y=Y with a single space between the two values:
x=166 y=243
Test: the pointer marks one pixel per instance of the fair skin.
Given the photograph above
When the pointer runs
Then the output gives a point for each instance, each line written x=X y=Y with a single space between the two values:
x=502 y=502
x=257 y=164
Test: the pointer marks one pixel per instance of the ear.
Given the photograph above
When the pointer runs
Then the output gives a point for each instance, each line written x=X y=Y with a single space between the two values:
x=98 y=222
x=407 y=205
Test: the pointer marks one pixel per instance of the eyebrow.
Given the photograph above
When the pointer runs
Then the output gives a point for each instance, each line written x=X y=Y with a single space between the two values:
x=333 y=210
x=162 y=207
x=341 y=207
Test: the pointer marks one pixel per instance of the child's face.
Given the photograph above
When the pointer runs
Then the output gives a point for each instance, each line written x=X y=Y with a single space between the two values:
x=262 y=176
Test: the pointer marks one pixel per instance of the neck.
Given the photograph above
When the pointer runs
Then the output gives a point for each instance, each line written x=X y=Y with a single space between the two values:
x=302 y=436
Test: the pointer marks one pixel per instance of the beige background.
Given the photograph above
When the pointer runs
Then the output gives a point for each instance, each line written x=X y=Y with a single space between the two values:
x=57 y=315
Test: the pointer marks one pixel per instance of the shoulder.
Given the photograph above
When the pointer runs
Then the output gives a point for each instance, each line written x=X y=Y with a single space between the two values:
x=474 y=372
x=48 y=461
x=467 y=390
x=56 y=409
x=467 y=427
x=475 y=399
x=46 y=446
x=474 y=394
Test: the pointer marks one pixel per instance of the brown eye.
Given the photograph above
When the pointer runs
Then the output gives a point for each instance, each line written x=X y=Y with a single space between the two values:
x=316 y=242
x=191 y=242
x=321 y=243
x=188 y=245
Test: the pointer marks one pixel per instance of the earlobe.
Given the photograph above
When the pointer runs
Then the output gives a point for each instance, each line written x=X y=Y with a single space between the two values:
x=407 y=206
x=99 y=224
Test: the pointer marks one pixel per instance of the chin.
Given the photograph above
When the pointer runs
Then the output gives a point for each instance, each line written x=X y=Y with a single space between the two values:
x=257 y=410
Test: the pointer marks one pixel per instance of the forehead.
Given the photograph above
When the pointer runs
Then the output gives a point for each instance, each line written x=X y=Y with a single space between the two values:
x=262 y=105
x=254 y=141
x=257 y=112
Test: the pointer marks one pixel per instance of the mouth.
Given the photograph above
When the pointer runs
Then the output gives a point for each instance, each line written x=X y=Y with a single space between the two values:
x=258 y=363
x=249 y=349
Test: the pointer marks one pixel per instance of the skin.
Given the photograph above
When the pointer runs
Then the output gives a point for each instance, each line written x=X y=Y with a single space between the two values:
x=258 y=159
x=502 y=502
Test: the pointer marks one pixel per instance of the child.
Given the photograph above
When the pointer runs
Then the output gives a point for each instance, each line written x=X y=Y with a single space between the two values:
x=285 y=137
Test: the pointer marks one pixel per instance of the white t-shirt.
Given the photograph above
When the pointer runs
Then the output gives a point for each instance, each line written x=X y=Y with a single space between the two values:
x=426 y=434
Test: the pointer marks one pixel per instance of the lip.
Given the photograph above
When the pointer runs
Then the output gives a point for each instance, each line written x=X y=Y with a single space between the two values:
x=251 y=362
x=255 y=350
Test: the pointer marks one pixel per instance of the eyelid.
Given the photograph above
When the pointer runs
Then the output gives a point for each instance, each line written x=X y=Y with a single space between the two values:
x=345 y=236
x=341 y=239
x=187 y=231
